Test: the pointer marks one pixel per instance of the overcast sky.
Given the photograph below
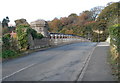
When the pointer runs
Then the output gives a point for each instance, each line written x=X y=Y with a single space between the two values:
x=45 y=9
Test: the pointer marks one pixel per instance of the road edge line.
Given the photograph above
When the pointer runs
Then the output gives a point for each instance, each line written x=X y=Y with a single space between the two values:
x=81 y=75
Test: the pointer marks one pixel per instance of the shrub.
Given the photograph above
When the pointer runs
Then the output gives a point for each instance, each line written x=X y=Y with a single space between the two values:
x=34 y=33
x=22 y=37
x=115 y=36
x=9 y=54
x=39 y=36
x=115 y=48
x=6 y=41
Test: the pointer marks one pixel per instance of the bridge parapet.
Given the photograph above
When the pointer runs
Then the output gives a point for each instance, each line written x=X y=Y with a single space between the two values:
x=59 y=38
x=55 y=39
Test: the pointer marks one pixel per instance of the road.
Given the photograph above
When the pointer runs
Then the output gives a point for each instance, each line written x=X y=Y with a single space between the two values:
x=62 y=63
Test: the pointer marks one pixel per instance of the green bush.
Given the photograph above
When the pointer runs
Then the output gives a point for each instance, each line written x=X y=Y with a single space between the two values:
x=39 y=36
x=9 y=54
x=34 y=33
x=6 y=41
x=22 y=37
x=115 y=36
x=114 y=32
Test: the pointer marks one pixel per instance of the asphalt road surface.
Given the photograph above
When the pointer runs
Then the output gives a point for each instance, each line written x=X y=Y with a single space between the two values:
x=63 y=63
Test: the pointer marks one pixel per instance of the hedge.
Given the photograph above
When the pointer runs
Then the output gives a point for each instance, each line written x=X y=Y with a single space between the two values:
x=114 y=32
x=115 y=37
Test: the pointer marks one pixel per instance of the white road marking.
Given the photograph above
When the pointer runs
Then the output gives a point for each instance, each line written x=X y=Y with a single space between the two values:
x=87 y=60
x=103 y=44
x=17 y=71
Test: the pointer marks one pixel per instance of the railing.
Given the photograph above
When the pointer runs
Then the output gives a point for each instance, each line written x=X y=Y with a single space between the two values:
x=58 y=38
x=55 y=39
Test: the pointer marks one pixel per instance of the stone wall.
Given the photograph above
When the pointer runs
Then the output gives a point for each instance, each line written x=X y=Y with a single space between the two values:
x=38 y=43
x=45 y=42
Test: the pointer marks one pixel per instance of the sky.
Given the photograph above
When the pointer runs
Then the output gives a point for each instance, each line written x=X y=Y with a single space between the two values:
x=32 y=10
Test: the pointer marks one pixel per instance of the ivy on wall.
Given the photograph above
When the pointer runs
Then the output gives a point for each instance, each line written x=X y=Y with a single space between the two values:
x=22 y=37
x=115 y=36
x=34 y=33
x=115 y=48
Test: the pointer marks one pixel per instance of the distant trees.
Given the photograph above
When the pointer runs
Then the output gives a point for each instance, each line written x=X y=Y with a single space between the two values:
x=54 y=24
x=5 y=27
x=5 y=22
x=91 y=23
x=73 y=24
x=110 y=13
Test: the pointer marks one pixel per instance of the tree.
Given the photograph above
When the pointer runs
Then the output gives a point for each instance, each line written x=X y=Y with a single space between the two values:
x=89 y=26
x=72 y=18
x=63 y=30
x=55 y=25
x=96 y=11
x=88 y=23
x=73 y=14
x=5 y=22
x=106 y=18
x=84 y=17
x=109 y=12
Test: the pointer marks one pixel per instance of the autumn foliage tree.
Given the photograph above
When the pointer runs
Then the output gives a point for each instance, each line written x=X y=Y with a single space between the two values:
x=88 y=22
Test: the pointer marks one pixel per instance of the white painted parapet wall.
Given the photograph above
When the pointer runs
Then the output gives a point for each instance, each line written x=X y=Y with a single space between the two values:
x=59 y=38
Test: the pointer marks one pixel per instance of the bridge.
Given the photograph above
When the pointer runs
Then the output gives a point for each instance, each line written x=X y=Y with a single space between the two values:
x=60 y=38
x=82 y=60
